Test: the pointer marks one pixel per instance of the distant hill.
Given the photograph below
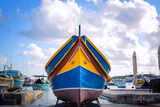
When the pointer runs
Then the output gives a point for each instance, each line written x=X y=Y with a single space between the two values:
x=151 y=76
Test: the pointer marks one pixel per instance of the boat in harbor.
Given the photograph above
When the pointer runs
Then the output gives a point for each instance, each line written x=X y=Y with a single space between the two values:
x=6 y=81
x=110 y=85
x=78 y=71
x=17 y=77
x=40 y=83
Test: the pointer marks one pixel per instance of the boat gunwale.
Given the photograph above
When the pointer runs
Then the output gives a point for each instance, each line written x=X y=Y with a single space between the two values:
x=68 y=60
x=62 y=58
x=58 y=52
x=51 y=71
x=108 y=77
x=6 y=78
x=99 y=52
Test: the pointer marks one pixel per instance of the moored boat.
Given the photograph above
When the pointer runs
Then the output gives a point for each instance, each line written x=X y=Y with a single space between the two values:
x=18 y=78
x=5 y=81
x=78 y=71
x=40 y=83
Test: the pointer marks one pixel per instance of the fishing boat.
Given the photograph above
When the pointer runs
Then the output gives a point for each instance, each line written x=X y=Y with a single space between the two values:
x=6 y=81
x=78 y=71
x=40 y=83
x=17 y=77
x=27 y=81
x=111 y=85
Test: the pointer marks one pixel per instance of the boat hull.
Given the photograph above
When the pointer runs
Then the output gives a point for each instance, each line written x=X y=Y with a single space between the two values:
x=78 y=85
x=3 y=86
x=5 y=83
x=18 y=84
x=78 y=96
x=17 y=77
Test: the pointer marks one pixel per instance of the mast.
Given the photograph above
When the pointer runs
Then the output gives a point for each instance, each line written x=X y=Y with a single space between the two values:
x=79 y=30
x=79 y=37
x=4 y=69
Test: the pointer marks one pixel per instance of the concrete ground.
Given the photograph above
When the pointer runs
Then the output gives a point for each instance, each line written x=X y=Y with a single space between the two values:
x=103 y=105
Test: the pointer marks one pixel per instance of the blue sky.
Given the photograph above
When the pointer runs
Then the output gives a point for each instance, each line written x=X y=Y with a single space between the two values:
x=32 y=30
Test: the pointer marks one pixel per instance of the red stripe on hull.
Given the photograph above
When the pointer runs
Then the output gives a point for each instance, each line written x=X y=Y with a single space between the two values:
x=95 y=63
x=78 y=96
x=63 y=62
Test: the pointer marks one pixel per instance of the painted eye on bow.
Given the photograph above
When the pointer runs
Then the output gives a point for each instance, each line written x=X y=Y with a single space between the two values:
x=72 y=62
x=85 y=62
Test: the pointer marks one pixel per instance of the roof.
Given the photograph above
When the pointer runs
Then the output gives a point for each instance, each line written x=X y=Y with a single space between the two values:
x=39 y=76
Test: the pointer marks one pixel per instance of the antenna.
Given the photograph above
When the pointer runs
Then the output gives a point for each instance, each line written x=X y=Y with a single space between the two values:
x=11 y=62
x=79 y=30
x=11 y=58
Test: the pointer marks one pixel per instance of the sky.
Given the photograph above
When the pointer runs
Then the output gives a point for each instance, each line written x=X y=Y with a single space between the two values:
x=31 y=31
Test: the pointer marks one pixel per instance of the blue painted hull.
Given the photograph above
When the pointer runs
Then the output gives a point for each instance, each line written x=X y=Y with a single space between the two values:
x=18 y=78
x=121 y=86
x=78 y=85
x=76 y=78
x=18 y=83
x=3 y=87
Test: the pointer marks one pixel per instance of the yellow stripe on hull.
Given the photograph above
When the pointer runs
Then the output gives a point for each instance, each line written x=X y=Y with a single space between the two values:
x=79 y=58
x=4 y=82
x=22 y=80
x=99 y=52
x=58 y=51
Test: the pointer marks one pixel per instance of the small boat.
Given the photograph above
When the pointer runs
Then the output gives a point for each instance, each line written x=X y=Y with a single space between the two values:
x=40 y=83
x=78 y=71
x=139 y=83
x=121 y=86
x=111 y=85
x=18 y=78
x=27 y=81
x=6 y=81
x=129 y=84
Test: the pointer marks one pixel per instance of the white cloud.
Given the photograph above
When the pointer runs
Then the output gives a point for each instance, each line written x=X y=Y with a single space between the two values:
x=35 y=51
x=117 y=29
x=55 y=21
x=35 y=63
x=3 y=60
x=136 y=15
